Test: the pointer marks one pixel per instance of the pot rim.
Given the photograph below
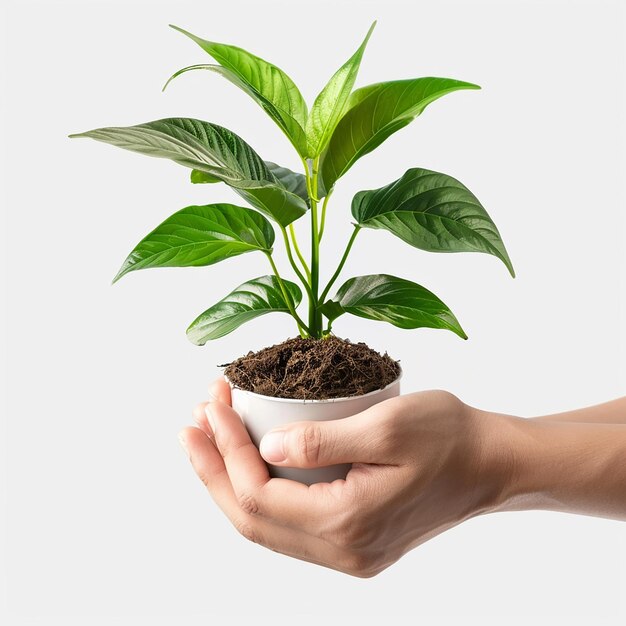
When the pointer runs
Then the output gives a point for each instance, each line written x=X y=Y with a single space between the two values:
x=313 y=401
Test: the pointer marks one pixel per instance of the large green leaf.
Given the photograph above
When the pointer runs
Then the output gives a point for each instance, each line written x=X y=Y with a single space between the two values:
x=201 y=235
x=267 y=84
x=375 y=112
x=329 y=104
x=250 y=300
x=292 y=181
x=431 y=211
x=390 y=299
x=213 y=149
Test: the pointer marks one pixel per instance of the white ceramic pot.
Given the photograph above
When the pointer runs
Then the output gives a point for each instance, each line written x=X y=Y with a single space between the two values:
x=261 y=414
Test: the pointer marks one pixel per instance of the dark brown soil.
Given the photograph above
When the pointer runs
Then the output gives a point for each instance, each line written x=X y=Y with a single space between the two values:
x=313 y=369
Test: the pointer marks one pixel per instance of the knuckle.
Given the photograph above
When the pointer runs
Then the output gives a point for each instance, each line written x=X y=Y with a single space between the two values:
x=355 y=537
x=362 y=565
x=446 y=396
x=309 y=443
x=248 y=503
x=387 y=431
x=348 y=532
x=341 y=533
x=247 y=530
x=345 y=538
x=204 y=477
x=390 y=430
x=198 y=412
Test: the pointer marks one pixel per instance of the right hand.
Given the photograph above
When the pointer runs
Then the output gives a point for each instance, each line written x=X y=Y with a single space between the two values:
x=422 y=463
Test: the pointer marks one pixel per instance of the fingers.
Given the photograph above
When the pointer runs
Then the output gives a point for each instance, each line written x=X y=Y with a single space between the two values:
x=219 y=390
x=204 y=456
x=286 y=502
x=199 y=417
x=362 y=438
x=241 y=457
x=209 y=466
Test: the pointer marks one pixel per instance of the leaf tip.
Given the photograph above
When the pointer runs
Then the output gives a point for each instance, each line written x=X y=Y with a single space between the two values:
x=509 y=266
x=193 y=337
x=369 y=32
x=122 y=272
x=457 y=329
x=186 y=33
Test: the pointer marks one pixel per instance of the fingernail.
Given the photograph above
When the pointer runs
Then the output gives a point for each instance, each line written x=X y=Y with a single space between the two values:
x=210 y=418
x=183 y=444
x=272 y=446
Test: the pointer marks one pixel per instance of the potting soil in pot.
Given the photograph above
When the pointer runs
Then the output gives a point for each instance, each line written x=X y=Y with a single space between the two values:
x=313 y=369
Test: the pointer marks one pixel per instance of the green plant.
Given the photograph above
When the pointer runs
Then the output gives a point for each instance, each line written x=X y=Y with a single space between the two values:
x=426 y=209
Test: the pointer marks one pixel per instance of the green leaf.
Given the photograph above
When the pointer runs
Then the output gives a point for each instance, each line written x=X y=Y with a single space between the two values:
x=395 y=300
x=374 y=113
x=290 y=180
x=201 y=235
x=198 y=177
x=250 y=300
x=433 y=212
x=267 y=84
x=212 y=149
x=329 y=104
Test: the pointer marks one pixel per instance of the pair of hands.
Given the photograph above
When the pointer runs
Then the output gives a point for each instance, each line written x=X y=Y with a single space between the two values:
x=422 y=463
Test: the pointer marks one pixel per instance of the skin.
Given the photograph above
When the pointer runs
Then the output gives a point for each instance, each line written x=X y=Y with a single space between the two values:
x=422 y=463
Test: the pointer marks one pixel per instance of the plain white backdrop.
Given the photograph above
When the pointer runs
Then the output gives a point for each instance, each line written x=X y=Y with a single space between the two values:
x=106 y=522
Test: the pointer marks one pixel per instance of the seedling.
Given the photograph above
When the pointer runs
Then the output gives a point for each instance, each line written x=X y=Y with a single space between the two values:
x=426 y=209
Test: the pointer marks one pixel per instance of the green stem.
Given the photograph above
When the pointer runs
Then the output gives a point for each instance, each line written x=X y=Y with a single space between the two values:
x=324 y=213
x=303 y=280
x=307 y=174
x=301 y=325
x=305 y=267
x=341 y=263
x=315 y=316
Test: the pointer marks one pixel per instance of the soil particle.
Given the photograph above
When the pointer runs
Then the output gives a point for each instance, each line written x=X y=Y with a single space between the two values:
x=313 y=369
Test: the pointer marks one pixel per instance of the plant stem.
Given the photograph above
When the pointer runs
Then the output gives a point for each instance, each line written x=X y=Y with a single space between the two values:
x=307 y=174
x=305 y=267
x=341 y=263
x=324 y=214
x=303 y=280
x=301 y=325
x=315 y=316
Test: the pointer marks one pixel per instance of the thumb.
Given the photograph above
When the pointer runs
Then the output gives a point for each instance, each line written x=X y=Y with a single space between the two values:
x=316 y=444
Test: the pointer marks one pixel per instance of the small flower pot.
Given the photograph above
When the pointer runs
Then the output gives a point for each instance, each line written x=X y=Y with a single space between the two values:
x=261 y=414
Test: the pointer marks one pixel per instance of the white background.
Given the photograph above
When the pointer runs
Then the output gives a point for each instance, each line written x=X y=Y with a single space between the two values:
x=106 y=522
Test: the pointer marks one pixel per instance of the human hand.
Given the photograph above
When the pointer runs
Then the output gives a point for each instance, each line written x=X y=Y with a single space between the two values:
x=422 y=463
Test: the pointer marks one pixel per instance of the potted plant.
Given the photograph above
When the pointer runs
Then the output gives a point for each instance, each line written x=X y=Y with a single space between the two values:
x=313 y=375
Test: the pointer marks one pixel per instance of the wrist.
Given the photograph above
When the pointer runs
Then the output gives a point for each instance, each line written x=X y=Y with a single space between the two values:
x=501 y=459
x=562 y=466
x=530 y=464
